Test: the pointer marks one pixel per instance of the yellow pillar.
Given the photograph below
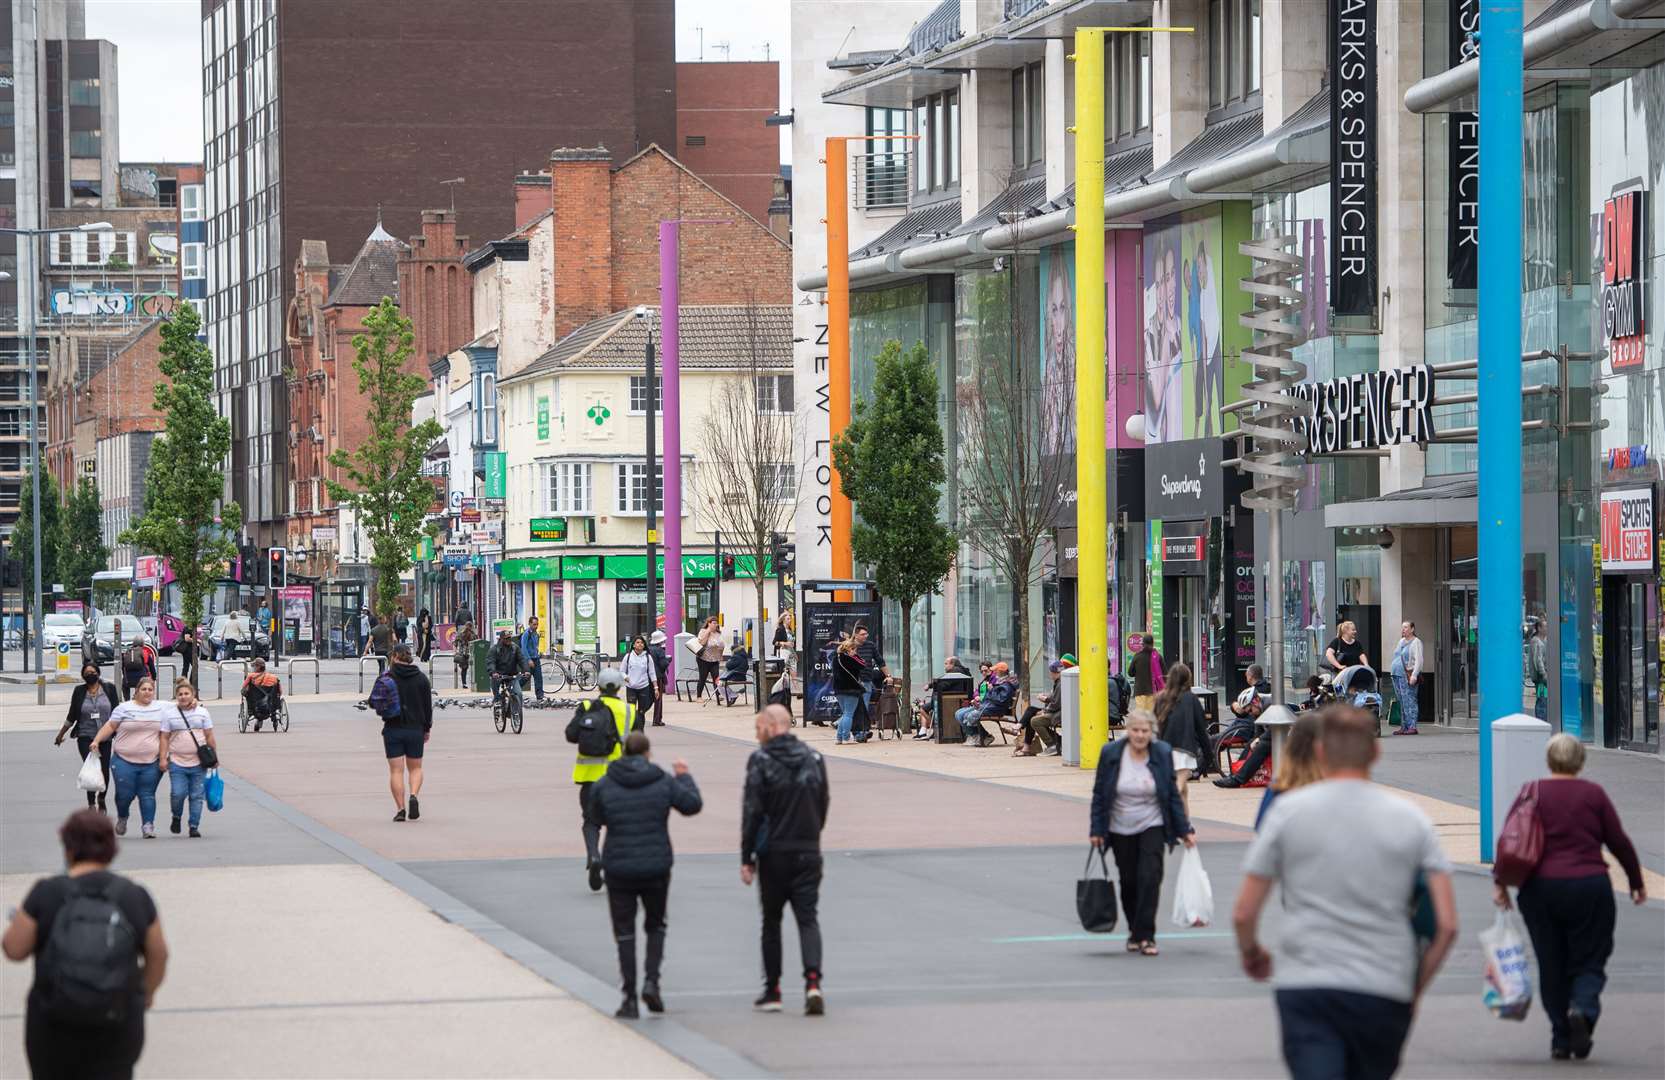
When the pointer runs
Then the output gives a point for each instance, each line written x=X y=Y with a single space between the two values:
x=1092 y=621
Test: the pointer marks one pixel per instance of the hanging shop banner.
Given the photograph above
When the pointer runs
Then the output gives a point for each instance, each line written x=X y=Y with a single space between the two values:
x=1462 y=200
x=497 y=474
x=584 y=608
x=1627 y=530
x=1353 y=156
x=1624 y=224
x=1183 y=480
x=1366 y=411
x=543 y=418
x=545 y=530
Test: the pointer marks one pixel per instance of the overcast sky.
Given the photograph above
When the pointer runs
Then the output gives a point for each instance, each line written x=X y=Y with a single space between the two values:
x=160 y=76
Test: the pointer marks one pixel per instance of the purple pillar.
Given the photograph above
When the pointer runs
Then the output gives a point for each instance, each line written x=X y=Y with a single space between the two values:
x=671 y=399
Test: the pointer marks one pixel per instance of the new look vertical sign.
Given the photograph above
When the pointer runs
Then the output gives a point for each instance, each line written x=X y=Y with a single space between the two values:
x=1353 y=156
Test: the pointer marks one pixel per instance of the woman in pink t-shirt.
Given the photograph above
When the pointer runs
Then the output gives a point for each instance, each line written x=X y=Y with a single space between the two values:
x=139 y=758
x=187 y=728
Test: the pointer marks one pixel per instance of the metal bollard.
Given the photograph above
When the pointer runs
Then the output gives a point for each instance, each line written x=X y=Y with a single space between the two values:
x=1518 y=743
x=219 y=675
x=290 y=671
x=1069 y=685
x=171 y=666
x=367 y=660
x=433 y=655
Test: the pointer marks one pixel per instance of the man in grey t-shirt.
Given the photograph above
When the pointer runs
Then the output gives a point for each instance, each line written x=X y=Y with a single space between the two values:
x=1347 y=854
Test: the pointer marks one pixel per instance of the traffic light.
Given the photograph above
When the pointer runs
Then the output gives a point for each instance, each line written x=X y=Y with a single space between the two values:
x=11 y=573
x=728 y=568
x=278 y=564
x=783 y=553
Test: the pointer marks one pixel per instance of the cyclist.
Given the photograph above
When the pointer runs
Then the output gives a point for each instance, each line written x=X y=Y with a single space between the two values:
x=508 y=664
x=263 y=691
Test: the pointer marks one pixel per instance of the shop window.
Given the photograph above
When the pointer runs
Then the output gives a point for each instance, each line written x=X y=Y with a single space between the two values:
x=638 y=395
x=1233 y=51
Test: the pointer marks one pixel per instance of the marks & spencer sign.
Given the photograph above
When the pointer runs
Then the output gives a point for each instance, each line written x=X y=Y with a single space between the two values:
x=1365 y=411
x=1627 y=530
x=1623 y=237
x=1353 y=156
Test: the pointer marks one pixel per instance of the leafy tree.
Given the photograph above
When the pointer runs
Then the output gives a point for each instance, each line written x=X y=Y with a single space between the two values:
x=387 y=490
x=23 y=536
x=80 y=543
x=185 y=519
x=890 y=463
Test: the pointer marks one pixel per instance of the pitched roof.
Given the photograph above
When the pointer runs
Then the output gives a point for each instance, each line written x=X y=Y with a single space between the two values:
x=373 y=273
x=712 y=336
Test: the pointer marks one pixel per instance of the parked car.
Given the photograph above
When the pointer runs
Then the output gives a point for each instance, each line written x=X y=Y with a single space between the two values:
x=61 y=627
x=99 y=641
x=254 y=641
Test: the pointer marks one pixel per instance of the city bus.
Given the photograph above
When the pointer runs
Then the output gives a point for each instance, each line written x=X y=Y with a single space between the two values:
x=156 y=599
x=112 y=591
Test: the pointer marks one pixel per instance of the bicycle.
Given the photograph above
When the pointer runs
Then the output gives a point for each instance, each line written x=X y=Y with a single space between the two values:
x=505 y=706
x=578 y=670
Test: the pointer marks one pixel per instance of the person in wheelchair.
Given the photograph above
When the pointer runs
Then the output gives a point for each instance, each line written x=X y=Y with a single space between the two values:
x=1245 y=710
x=262 y=694
x=508 y=664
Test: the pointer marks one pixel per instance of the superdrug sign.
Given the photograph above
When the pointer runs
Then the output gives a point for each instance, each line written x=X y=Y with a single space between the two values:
x=1353 y=156
x=1623 y=235
x=1365 y=411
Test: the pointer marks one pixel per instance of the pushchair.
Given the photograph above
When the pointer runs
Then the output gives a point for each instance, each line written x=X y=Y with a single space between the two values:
x=1356 y=685
x=261 y=703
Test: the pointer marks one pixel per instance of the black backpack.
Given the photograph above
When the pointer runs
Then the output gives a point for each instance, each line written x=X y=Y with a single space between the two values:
x=594 y=730
x=89 y=968
x=1121 y=695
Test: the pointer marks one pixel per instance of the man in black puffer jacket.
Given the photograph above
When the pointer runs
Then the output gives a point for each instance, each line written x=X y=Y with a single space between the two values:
x=633 y=803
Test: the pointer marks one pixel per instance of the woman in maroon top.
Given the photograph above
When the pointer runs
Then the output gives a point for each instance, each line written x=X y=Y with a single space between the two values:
x=1568 y=901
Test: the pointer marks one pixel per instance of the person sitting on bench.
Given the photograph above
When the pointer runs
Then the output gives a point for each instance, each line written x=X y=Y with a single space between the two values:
x=1040 y=722
x=737 y=670
x=996 y=703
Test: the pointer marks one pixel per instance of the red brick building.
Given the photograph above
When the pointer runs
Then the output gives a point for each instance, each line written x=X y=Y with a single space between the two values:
x=721 y=134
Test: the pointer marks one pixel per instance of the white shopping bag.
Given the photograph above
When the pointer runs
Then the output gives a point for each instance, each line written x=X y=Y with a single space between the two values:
x=1193 y=895
x=91 y=776
x=1508 y=976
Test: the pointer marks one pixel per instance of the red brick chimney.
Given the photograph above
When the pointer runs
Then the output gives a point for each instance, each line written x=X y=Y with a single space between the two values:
x=434 y=290
x=532 y=196
x=581 y=192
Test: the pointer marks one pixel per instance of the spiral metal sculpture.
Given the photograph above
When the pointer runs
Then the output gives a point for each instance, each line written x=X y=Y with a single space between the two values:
x=1275 y=320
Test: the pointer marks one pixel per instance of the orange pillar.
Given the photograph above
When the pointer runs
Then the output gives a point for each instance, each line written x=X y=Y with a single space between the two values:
x=838 y=340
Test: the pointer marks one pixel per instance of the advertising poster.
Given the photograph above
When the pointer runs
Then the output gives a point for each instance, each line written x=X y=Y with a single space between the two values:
x=1183 y=352
x=1058 y=344
x=822 y=626
x=584 y=610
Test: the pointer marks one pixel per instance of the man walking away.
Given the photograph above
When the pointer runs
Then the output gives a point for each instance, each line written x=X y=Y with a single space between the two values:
x=405 y=734
x=598 y=729
x=782 y=814
x=1348 y=855
x=633 y=803
x=380 y=643
x=462 y=648
x=531 y=647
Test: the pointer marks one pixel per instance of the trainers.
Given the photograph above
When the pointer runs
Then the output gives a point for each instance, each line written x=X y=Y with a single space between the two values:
x=121 y=826
x=814 y=1003
x=196 y=833
x=415 y=808
x=651 y=998
x=770 y=1001
x=400 y=816
x=596 y=880
x=1578 y=1034
x=627 y=1008
x=148 y=830
x=174 y=828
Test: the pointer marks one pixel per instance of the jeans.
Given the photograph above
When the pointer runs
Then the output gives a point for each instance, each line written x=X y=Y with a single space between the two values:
x=1139 y=869
x=537 y=677
x=622 y=896
x=183 y=779
x=642 y=699
x=1337 y=1033
x=83 y=743
x=1409 y=707
x=847 y=704
x=140 y=780
x=659 y=705
x=1570 y=922
x=968 y=724
x=790 y=877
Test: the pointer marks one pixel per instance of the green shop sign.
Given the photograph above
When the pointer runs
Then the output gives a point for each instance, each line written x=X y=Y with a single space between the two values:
x=497 y=475
x=630 y=567
x=580 y=567
x=530 y=569
x=543 y=418
x=549 y=529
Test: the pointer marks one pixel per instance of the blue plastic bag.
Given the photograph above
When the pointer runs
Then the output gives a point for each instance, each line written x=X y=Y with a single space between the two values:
x=213 y=790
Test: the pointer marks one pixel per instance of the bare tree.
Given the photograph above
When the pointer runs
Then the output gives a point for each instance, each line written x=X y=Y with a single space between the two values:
x=746 y=480
x=1017 y=441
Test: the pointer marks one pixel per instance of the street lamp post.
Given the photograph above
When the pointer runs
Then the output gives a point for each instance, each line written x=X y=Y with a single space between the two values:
x=26 y=323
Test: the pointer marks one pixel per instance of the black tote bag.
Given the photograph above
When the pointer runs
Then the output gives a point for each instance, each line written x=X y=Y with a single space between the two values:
x=1095 y=896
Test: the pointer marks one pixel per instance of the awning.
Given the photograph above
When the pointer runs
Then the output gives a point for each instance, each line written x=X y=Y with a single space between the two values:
x=1293 y=149
x=1567 y=40
x=881 y=255
x=1060 y=20
x=896 y=85
x=991 y=49
x=1217 y=142
x=1453 y=502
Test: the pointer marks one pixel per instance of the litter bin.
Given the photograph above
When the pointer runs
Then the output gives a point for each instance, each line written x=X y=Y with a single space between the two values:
x=773 y=669
x=951 y=692
x=1209 y=698
x=480 y=664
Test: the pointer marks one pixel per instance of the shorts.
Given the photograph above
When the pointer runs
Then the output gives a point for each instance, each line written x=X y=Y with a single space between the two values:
x=403 y=742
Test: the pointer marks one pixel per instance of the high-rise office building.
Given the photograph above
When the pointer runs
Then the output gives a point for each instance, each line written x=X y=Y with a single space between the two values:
x=299 y=145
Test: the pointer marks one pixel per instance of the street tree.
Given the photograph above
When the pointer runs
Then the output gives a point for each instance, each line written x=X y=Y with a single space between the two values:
x=23 y=536
x=1017 y=445
x=890 y=465
x=747 y=482
x=80 y=543
x=186 y=519
x=386 y=488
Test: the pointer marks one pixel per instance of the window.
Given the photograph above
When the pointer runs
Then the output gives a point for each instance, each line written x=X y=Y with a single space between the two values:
x=488 y=410
x=952 y=137
x=774 y=393
x=631 y=497
x=86 y=143
x=83 y=92
x=886 y=170
x=1127 y=85
x=936 y=152
x=922 y=156
x=566 y=488
x=1028 y=115
x=638 y=395
x=1233 y=51
x=696 y=140
x=779 y=481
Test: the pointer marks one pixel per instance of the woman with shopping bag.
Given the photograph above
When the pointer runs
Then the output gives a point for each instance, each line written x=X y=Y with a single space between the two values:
x=1138 y=812
x=89 y=707
x=1566 y=898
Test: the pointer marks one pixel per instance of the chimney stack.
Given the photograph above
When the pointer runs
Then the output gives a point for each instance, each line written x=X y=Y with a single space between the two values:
x=532 y=196
x=581 y=194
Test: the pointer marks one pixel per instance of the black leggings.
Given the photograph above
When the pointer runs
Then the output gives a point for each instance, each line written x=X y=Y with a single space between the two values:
x=83 y=743
x=58 y=1052
x=1139 y=871
x=708 y=670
